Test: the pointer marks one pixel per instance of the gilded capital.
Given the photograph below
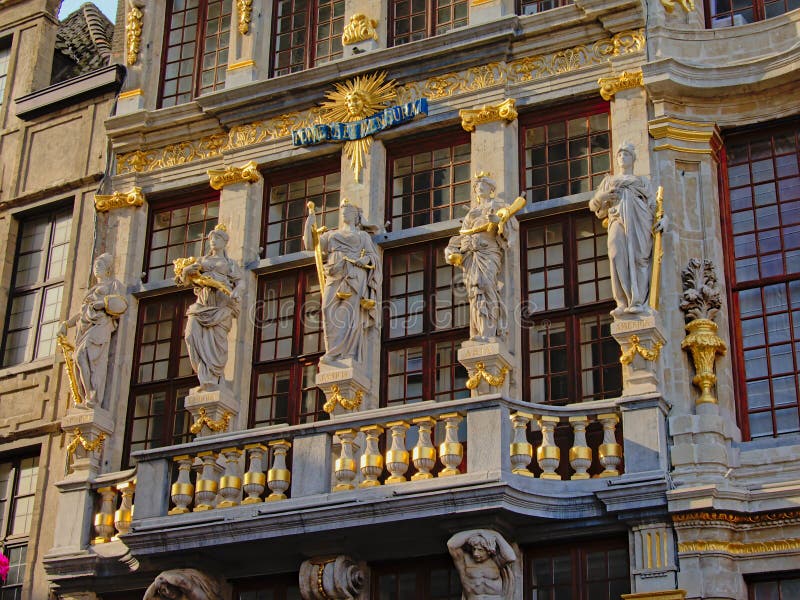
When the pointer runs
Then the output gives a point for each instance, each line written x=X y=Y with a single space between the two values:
x=133 y=31
x=609 y=86
x=680 y=135
x=686 y=5
x=133 y=198
x=505 y=111
x=359 y=29
x=218 y=179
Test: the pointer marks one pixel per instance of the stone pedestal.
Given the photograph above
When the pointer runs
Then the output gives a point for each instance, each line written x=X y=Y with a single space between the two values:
x=212 y=410
x=702 y=445
x=86 y=425
x=346 y=387
x=640 y=340
x=488 y=365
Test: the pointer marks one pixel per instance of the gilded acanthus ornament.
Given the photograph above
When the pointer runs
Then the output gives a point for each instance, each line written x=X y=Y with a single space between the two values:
x=504 y=111
x=245 y=9
x=686 y=5
x=133 y=30
x=650 y=354
x=359 y=29
x=609 y=86
x=133 y=198
x=203 y=420
x=89 y=446
x=218 y=179
x=347 y=403
x=481 y=373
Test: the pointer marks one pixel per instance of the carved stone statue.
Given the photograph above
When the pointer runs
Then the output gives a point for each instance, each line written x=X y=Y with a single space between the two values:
x=96 y=321
x=626 y=205
x=484 y=561
x=349 y=270
x=217 y=283
x=479 y=249
x=186 y=584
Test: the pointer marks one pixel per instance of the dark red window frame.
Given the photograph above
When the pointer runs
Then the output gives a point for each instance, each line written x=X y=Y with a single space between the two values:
x=775 y=586
x=433 y=13
x=388 y=579
x=757 y=10
x=534 y=7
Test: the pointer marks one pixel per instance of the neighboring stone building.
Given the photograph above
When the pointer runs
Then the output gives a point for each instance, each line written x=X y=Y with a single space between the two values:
x=572 y=454
x=57 y=87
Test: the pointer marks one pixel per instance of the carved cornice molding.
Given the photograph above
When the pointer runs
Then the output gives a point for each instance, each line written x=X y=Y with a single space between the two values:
x=218 y=179
x=133 y=198
x=609 y=86
x=735 y=518
x=740 y=548
x=359 y=29
x=133 y=31
x=504 y=111
x=685 y=136
x=496 y=74
x=245 y=9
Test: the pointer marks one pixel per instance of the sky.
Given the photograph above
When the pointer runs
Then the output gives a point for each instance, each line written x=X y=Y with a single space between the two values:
x=109 y=7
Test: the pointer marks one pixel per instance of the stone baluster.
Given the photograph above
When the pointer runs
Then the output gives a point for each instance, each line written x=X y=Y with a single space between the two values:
x=548 y=455
x=424 y=453
x=521 y=448
x=451 y=452
x=124 y=514
x=230 y=484
x=397 y=457
x=371 y=460
x=610 y=451
x=182 y=491
x=344 y=469
x=207 y=485
x=580 y=455
x=279 y=477
x=104 y=520
x=254 y=479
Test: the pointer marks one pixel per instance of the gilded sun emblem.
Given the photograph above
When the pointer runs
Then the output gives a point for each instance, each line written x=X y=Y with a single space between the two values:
x=359 y=98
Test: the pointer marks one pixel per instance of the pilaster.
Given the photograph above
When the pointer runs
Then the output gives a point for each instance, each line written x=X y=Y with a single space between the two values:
x=143 y=53
x=251 y=28
x=364 y=17
x=484 y=11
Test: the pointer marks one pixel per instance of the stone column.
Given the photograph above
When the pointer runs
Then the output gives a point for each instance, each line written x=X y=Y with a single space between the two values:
x=250 y=42
x=364 y=21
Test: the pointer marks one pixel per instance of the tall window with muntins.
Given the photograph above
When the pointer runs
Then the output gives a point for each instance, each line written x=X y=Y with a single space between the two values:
x=162 y=375
x=5 y=58
x=411 y=20
x=567 y=327
x=432 y=578
x=18 y=480
x=784 y=587
x=727 y=13
x=287 y=195
x=306 y=33
x=426 y=317
x=197 y=39
x=37 y=287
x=533 y=7
x=429 y=182
x=288 y=346
x=762 y=230
x=565 y=154
x=178 y=230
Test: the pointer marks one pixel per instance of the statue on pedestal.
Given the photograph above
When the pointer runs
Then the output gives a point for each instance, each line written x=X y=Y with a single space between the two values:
x=626 y=205
x=488 y=230
x=349 y=271
x=217 y=282
x=484 y=561
x=95 y=323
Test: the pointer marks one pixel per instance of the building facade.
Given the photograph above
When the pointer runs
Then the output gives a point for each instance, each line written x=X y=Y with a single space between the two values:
x=628 y=429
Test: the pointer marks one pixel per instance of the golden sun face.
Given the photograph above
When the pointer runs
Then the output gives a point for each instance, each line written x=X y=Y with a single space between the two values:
x=359 y=98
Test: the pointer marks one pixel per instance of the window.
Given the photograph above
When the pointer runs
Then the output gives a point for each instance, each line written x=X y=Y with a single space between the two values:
x=533 y=7
x=432 y=578
x=567 y=334
x=762 y=234
x=425 y=320
x=37 y=287
x=5 y=57
x=288 y=347
x=177 y=231
x=565 y=154
x=18 y=479
x=726 y=13
x=287 y=197
x=195 y=49
x=429 y=182
x=411 y=20
x=162 y=375
x=585 y=572
x=779 y=587
x=306 y=34
x=273 y=587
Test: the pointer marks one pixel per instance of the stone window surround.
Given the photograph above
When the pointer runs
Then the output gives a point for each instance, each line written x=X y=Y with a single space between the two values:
x=728 y=18
x=433 y=24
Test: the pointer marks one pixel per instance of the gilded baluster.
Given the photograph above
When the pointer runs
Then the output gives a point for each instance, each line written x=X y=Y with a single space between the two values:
x=521 y=448
x=580 y=455
x=279 y=477
x=371 y=460
x=548 y=455
x=182 y=491
x=207 y=485
x=397 y=457
x=255 y=480
x=124 y=514
x=424 y=453
x=451 y=452
x=104 y=520
x=230 y=484
x=344 y=469
x=610 y=451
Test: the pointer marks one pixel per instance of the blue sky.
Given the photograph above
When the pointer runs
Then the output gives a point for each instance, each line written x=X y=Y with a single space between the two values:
x=109 y=7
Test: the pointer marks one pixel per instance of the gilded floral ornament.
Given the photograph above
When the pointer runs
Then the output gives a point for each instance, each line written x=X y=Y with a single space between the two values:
x=609 y=86
x=686 y=5
x=359 y=29
x=740 y=548
x=245 y=9
x=203 y=420
x=482 y=374
x=78 y=439
x=346 y=403
x=133 y=30
x=627 y=357
x=220 y=178
x=133 y=198
x=504 y=111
